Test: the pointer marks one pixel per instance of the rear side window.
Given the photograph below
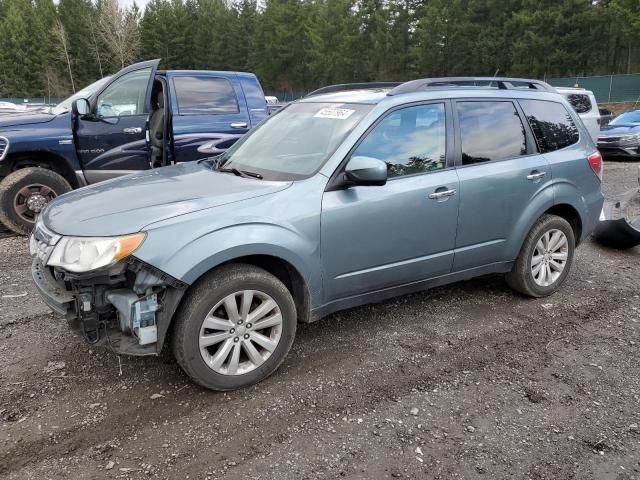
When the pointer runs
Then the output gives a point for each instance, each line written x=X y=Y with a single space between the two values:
x=490 y=131
x=580 y=103
x=205 y=96
x=551 y=123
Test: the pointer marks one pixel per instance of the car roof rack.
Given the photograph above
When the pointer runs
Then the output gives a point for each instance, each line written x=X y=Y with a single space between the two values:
x=342 y=87
x=502 y=83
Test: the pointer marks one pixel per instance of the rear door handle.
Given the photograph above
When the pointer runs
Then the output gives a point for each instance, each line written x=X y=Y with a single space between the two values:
x=132 y=130
x=445 y=193
x=536 y=176
x=238 y=125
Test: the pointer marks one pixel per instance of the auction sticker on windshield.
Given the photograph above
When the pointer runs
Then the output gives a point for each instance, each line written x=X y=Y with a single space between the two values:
x=335 y=113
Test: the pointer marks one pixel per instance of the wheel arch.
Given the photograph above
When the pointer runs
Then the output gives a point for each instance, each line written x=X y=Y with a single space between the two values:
x=571 y=215
x=42 y=159
x=284 y=271
x=280 y=268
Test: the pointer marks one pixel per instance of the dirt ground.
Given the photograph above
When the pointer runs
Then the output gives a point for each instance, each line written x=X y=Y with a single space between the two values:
x=464 y=381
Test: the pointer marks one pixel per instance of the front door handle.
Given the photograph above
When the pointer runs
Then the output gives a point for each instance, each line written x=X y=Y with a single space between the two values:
x=533 y=176
x=238 y=125
x=443 y=194
x=132 y=130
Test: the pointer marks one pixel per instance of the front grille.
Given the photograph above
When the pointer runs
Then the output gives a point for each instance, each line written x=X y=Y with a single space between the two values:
x=4 y=147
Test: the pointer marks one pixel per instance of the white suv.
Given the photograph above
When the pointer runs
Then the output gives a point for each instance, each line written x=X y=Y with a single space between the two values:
x=584 y=103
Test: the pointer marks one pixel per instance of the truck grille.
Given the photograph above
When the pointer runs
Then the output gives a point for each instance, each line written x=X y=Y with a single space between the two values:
x=4 y=147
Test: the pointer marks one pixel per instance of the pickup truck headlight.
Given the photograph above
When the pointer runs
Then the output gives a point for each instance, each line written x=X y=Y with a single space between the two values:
x=83 y=254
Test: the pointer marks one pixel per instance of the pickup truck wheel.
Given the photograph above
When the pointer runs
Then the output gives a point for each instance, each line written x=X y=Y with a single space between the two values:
x=234 y=327
x=24 y=194
x=545 y=258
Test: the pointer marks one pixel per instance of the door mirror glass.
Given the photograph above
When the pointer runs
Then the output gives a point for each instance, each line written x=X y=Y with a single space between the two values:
x=81 y=106
x=126 y=96
x=366 y=171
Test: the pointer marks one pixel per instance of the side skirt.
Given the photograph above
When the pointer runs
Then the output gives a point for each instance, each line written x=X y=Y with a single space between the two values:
x=396 y=291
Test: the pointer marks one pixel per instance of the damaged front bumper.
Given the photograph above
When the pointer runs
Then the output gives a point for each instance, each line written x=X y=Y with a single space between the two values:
x=128 y=306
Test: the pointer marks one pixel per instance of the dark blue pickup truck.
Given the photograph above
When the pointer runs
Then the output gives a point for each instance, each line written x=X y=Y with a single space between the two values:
x=137 y=119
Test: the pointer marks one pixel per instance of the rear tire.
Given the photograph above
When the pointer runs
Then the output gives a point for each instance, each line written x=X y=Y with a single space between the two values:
x=545 y=258
x=208 y=311
x=24 y=193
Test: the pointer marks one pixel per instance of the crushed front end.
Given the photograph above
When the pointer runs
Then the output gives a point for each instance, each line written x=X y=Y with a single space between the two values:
x=126 y=305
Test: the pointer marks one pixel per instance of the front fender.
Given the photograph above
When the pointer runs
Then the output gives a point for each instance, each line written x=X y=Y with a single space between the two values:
x=54 y=137
x=189 y=259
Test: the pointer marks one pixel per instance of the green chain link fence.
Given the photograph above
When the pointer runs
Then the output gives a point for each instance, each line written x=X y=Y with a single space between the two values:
x=606 y=88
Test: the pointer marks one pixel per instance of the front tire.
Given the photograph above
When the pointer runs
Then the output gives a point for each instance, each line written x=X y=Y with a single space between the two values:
x=234 y=327
x=545 y=258
x=24 y=194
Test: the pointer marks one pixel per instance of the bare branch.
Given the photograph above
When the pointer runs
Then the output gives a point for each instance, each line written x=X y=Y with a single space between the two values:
x=62 y=47
x=118 y=30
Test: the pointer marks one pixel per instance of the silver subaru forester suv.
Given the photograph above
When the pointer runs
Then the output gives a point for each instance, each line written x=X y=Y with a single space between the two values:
x=352 y=195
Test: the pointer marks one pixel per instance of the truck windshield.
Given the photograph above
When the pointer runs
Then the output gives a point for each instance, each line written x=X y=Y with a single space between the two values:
x=86 y=92
x=295 y=142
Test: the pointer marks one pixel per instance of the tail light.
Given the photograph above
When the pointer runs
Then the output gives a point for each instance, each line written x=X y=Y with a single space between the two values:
x=595 y=162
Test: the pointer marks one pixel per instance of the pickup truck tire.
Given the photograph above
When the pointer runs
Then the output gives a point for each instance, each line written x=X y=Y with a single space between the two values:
x=24 y=193
x=222 y=338
x=545 y=258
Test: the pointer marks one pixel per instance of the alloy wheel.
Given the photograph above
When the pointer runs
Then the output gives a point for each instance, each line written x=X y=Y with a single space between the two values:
x=549 y=257
x=240 y=332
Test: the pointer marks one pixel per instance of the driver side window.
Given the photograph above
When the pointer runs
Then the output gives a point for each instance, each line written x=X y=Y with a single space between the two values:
x=409 y=140
x=125 y=96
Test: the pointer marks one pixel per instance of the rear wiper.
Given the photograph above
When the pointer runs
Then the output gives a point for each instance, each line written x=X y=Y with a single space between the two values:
x=241 y=173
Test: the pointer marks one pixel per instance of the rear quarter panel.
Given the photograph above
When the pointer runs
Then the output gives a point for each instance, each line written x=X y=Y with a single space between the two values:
x=575 y=183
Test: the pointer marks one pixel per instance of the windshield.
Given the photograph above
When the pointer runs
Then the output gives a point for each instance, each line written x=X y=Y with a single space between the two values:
x=295 y=142
x=628 y=118
x=86 y=92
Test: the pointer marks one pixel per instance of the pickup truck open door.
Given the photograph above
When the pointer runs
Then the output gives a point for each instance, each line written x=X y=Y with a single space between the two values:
x=110 y=139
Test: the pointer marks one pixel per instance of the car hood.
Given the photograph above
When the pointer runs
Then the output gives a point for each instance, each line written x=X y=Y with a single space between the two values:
x=619 y=130
x=128 y=204
x=24 y=118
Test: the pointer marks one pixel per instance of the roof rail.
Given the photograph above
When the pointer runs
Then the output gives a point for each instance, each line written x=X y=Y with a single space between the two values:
x=342 y=87
x=502 y=83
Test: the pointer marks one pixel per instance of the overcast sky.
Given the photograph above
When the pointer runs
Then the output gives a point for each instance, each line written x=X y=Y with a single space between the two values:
x=140 y=3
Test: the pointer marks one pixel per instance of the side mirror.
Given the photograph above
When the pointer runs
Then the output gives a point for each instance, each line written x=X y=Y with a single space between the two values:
x=366 y=171
x=80 y=106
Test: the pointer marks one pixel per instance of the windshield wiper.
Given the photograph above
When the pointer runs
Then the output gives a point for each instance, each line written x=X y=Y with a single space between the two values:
x=241 y=173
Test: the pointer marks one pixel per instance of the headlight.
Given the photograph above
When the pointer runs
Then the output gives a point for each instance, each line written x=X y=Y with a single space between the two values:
x=83 y=254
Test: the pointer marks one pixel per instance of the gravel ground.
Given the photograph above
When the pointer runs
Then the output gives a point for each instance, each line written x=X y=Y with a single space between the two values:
x=464 y=381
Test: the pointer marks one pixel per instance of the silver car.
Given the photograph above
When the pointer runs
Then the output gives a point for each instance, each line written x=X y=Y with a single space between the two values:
x=343 y=198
